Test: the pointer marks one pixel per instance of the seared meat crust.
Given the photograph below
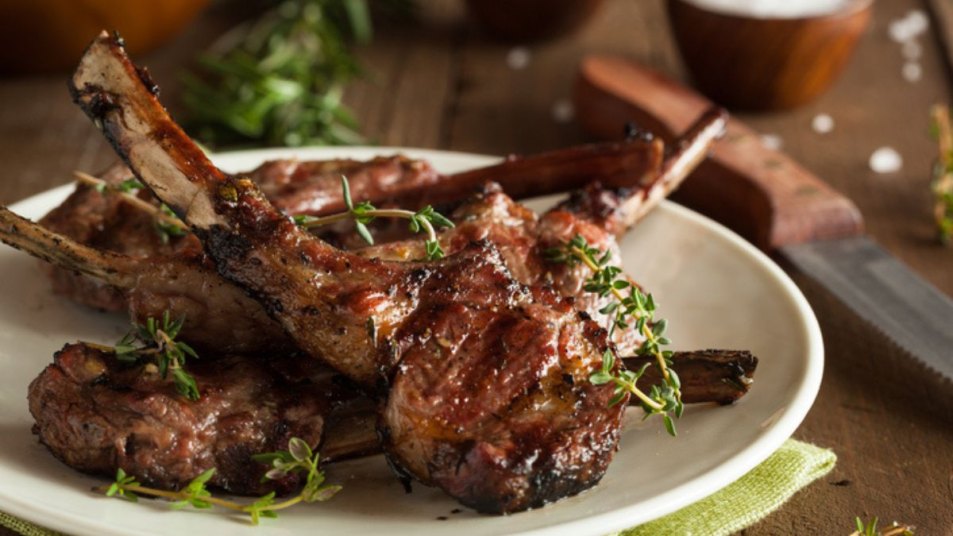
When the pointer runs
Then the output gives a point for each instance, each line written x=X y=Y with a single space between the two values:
x=97 y=414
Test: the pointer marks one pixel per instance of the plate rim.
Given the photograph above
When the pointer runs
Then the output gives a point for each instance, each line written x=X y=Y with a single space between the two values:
x=660 y=505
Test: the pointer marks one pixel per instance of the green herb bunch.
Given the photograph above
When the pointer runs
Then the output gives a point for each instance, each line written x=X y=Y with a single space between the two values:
x=629 y=308
x=279 y=80
x=298 y=458
x=426 y=219
x=154 y=342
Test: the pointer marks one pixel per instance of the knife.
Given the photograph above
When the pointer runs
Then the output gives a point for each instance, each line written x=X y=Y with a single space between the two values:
x=778 y=205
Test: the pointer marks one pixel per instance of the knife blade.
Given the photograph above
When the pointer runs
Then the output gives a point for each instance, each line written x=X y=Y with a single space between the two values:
x=778 y=205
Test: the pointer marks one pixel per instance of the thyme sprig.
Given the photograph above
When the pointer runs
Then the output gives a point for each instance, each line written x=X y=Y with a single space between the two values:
x=298 y=458
x=631 y=307
x=279 y=79
x=942 y=183
x=167 y=224
x=426 y=219
x=154 y=342
x=870 y=529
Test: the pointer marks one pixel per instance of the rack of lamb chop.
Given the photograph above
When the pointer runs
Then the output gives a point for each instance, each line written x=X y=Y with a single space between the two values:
x=134 y=267
x=98 y=414
x=87 y=385
x=483 y=380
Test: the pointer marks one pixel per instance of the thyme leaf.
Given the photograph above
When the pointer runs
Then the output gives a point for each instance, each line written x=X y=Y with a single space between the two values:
x=425 y=220
x=154 y=342
x=298 y=458
x=168 y=225
x=630 y=308
x=870 y=529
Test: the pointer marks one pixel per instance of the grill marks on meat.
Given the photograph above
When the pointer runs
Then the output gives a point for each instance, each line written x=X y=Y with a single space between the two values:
x=596 y=213
x=324 y=297
x=97 y=414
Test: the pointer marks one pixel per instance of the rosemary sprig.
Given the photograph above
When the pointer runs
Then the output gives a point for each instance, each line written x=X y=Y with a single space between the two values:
x=167 y=224
x=942 y=183
x=298 y=458
x=630 y=307
x=426 y=219
x=154 y=342
x=280 y=79
x=870 y=529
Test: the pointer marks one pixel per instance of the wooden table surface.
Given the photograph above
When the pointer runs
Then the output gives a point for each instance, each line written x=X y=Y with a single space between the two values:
x=442 y=84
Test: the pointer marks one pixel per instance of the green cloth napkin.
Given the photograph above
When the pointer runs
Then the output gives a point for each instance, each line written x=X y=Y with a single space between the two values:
x=752 y=497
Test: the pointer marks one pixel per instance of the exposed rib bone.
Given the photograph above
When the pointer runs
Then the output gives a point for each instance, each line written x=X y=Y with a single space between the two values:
x=34 y=239
x=219 y=315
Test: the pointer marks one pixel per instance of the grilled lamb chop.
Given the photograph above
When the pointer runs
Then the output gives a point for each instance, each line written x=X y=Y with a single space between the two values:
x=596 y=213
x=484 y=381
x=107 y=222
x=98 y=415
x=151 y=276
x=220 y=316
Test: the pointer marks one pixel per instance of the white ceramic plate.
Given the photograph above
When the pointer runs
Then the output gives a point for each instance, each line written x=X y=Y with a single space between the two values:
x=715 y=290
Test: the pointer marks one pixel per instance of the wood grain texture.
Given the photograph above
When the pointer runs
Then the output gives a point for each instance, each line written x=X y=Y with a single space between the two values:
x=444 y=84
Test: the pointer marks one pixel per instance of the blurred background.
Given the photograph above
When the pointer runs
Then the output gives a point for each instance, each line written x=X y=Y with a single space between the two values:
x=845 y=87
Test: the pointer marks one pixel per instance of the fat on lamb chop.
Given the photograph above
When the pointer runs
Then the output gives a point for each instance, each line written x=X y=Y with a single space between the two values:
x=483 y=380
x=97 y=414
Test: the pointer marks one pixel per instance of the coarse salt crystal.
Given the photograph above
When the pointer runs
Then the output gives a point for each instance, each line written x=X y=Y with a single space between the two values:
x=771 y=141
x=563 y=111
x=518 y=58
x=822 y=123
x=910 y=26
x=912 y=72
x=885 y=160
x=918 y=20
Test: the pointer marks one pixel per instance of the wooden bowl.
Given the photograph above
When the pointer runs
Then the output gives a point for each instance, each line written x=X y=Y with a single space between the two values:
x=766 y=63
x=50 y=35
x=532 y=20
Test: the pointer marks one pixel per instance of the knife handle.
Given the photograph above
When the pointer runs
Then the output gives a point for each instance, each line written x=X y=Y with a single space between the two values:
x=760 y=193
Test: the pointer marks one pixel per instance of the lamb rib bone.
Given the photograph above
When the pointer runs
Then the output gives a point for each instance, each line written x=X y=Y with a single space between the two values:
x=630 y=204
x=221 y=317
x=485 y=381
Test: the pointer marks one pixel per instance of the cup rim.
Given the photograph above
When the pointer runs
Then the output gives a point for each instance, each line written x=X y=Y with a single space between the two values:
x=851 y=8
